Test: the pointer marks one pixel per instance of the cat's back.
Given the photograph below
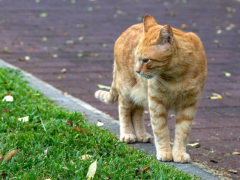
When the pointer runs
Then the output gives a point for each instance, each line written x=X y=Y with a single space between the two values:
x=127 y=42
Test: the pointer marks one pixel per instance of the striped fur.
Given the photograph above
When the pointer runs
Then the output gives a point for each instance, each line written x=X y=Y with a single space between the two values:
x=160 y=68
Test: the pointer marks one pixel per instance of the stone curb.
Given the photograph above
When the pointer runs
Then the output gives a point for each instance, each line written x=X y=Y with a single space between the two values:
x=93 y=115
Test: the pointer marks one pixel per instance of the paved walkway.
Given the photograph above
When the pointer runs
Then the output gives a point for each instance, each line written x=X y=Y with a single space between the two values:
x=48 y=33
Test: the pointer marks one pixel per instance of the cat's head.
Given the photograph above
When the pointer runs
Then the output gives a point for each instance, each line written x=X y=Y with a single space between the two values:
x=155 y=49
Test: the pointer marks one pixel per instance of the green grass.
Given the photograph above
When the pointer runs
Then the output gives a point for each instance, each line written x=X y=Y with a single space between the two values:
x=64 y=145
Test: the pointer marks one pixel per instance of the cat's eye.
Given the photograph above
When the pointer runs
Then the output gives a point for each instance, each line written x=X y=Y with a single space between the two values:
x=146 y=60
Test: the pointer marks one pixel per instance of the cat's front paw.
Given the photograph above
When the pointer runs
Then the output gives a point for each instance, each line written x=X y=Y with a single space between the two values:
x=181 y=157
x=164 y=156
x=145 y=137
x=128 y=138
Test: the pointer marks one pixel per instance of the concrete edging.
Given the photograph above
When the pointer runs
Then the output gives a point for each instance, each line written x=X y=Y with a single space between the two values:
x=92 y=115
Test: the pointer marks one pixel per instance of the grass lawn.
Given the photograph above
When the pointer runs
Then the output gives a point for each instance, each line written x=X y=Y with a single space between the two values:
x=50 y=148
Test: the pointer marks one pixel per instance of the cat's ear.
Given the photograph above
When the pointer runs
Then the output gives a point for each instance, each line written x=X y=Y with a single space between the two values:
x=165 y=35
x=148 y=22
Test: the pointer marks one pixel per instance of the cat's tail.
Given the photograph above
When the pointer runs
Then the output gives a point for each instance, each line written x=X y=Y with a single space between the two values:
x=111 y=96
x=107 y=97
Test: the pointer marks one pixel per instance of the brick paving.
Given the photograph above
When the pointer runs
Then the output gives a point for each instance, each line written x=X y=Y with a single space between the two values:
x=53 y=43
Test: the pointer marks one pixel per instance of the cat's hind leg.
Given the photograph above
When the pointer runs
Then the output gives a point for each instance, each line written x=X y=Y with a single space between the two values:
x=126 y=127
x=139 y=126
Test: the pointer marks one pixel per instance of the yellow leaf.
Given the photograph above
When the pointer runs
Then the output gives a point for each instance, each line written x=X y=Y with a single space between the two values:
x=193 y=144
x=92 y=170
x=184 y=26
x=59 y=77
x=103 y=87
x=236 y=153
x=86 y=156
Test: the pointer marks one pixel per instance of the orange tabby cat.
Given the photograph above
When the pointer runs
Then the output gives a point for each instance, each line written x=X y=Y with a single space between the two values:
x=160 y=68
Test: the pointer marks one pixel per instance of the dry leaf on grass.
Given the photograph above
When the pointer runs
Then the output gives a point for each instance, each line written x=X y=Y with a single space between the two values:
x=92 y=170
x=80 y=130
x=146 y=169
x=24 y=119
x=9 y=155
x=86 y=157
x=70 y=123
x=8 y=98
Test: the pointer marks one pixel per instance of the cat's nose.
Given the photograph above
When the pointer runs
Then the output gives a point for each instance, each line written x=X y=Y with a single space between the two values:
x=138 y=71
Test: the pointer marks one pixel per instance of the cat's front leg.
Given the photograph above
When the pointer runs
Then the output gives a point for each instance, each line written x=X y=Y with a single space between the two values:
x=126 y=127
x=158 y=114
x=183 y=127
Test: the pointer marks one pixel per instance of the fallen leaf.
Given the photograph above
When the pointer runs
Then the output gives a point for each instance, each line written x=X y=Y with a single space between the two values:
x=70 y=42
x=27 y=58
x=8 y=98
x=24 y=119
x=54 y=55
x=5 y=50
x=103 y=86
x=214 y=161
x=92 y=170
x=65 y=93
x=9 y=155
x=86 y=157
x=194 y=144
x=104 y=45
x=99 y=123
x=219 y=31
x=227 y=74
x=31 y=49
x=100 y=76
x=80 y=130
x=43 y=15
x=216 y=41
x=146 y=169
x=44 y=39
x=183 y=26
x=236 y=153
x=224 y=173
x=70 y=123
x=46 y=152
x=172 y=115
x=90 y=8
x=233 y=171
x=212 y=59
x=59 y=77
x=81 y=38
x=215 y=96
x=63 y=70
x=146 y=112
